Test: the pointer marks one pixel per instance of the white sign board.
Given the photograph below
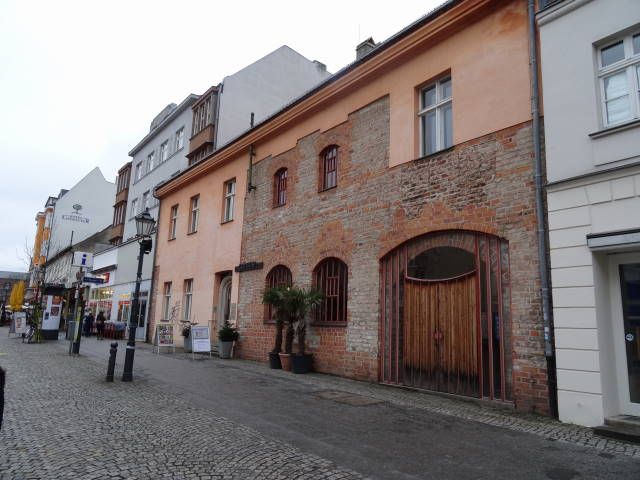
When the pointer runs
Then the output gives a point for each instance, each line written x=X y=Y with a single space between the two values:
x=20 y=323
x=164 y=336
x=82 y=259
x=52 y=312
x=200 y=339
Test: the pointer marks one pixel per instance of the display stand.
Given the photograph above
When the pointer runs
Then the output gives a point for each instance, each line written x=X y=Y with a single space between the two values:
x=200 y=340
x=164 y=337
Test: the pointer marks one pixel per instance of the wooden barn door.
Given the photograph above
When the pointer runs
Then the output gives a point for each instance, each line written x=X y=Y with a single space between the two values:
x=440 y=350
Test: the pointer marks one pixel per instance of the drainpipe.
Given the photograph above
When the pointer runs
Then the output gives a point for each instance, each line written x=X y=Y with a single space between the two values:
x=547 y=315
x=252 y=153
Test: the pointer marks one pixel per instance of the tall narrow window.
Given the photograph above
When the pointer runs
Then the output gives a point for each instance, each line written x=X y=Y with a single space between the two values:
x=188 y=297
x=329 y=168
x=194 y=213
x=166 y=301
x=180 y=139
x=138 y=171
x=151 y=161
x=278 y=276
x=173 y=222
x=436 y=117
x=280 y=188
x=330 y=277
x=619 y=72
x=164 y=151
x=134 y=207
x=146 y=200
x=229 y=200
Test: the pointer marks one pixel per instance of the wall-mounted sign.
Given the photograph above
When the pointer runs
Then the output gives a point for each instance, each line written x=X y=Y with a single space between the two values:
x=88 y=279
x=245 y=267
x=82 y=259
x=76 y=215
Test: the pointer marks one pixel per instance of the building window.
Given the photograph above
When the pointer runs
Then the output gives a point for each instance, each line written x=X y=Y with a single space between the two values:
x=278 y=276
x=329 y=168
x=145 y=200
x=229 y=200
x=280 y=188
x=138 y=171
x=619 y=73
x=151 y=159
x=436 y=117
x=173 y=222
x=194 y=213
x=164 y=151
x=134 y=208
x=188 y=294
x=180 y=139
x=330 y=277
x=166 y=302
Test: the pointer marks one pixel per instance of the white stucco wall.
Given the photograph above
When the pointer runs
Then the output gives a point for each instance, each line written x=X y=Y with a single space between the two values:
x=264 y=87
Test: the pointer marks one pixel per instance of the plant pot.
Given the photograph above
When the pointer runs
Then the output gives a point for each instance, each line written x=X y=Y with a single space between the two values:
x=224 y=349
x=285 y=361
x=274 y=361
x=187 y=344
x=301 y=363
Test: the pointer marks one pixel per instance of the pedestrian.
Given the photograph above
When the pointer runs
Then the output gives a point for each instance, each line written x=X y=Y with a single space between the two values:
x=2 y=375
x=100 y=325
x=88 y=323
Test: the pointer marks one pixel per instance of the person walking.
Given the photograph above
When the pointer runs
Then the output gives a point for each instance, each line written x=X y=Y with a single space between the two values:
x=100 y=325
x=88 y=323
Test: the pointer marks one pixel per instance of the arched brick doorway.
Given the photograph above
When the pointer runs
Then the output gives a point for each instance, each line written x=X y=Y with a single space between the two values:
x=446 y=323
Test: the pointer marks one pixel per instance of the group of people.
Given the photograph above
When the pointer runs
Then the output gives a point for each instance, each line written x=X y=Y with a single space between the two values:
x=88 y=322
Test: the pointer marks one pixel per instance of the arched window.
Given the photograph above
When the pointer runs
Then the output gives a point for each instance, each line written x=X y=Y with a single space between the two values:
x=330 y=277
x=329 y=168
x=280 y=188
x=278 y=276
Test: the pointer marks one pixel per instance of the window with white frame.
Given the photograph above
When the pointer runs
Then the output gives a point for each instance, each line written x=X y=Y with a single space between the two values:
x=138 y=171
x=166 y=302
x=436 y=117
x=188 y=296
x=229 y=200
x=164 y=151
x=134 y=207
x=151 y=159
x=194 y=214
x=145 y=201
x=173 y=222
x=180 y=139
x=619 y=73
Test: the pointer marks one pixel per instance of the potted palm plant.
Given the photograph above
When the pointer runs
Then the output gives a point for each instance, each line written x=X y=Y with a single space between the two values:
x=303 y=301
x=227 y=336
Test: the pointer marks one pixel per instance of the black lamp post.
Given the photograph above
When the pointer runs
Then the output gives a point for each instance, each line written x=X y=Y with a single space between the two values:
x=144 y=226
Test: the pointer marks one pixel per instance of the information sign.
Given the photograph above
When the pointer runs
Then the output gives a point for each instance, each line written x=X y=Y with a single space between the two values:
x=200 y=339
x=164 y=336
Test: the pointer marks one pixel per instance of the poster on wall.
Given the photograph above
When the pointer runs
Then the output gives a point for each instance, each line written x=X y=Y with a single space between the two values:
x=51 y=317
x=200 y=339
x=164 y=336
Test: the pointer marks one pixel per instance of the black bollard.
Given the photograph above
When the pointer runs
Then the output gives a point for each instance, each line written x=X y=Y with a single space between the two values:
x=112 y=361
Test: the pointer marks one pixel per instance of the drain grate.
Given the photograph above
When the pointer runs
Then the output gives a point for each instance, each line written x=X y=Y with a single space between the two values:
x=347 y=398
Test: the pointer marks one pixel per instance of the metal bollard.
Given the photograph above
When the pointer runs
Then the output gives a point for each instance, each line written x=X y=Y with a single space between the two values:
x=112 y=361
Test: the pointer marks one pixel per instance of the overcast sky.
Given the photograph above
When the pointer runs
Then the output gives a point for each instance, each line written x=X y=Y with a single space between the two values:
x=80 y=81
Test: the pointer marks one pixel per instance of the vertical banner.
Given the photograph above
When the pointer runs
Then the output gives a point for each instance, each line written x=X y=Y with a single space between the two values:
x=53 y=309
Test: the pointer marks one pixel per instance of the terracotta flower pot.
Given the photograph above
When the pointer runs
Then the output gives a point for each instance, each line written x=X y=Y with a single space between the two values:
x=285 y=361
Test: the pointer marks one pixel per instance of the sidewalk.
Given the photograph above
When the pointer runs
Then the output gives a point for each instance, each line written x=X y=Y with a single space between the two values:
x=168 y=367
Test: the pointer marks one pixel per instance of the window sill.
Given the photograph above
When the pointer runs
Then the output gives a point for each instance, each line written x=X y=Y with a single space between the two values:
x=191 y=233
x=171 y=239
x=615 y=129
x=434 y=154
x=329 y=324
x=327 y=189
x=226 y=221
x=278 y=206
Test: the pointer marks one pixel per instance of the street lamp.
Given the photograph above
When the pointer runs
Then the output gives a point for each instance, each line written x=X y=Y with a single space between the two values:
x=144 y=227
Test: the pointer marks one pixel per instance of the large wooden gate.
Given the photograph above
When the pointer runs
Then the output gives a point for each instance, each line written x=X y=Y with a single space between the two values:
x=445 y=303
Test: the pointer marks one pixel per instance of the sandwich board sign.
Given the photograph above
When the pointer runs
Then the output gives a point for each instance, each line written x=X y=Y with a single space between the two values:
x=164 y=336
x=200 y=339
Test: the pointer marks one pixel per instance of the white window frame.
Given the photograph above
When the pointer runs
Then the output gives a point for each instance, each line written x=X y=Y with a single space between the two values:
x=166 y=305
x=229 y=200
x=187 y=299
x=145 y=200
x=180 y=139
x=164 y=151
x=631 y=66
x=138 y=170
x=194 y=213
x=173 y=222
x=151 y=159
x=438 y=107
x=134 y=208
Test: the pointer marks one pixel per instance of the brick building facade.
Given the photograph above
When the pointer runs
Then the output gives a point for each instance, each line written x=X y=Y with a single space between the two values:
x=484 y=185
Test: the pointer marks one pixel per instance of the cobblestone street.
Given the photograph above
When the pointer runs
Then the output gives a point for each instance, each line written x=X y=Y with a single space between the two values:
x=209 y=418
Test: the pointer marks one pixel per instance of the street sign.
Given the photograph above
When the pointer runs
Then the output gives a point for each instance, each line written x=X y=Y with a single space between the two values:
x=82 y=259
x=88 y=279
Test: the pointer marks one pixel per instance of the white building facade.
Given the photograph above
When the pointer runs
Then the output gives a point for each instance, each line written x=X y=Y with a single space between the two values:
x=590 y=57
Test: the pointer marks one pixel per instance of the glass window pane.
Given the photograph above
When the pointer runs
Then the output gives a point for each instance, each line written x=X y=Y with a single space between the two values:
x=447 y=124
x=446 y=89
x=428 y=97
x=615 y=86
x=612 y=54
x=618 y=110
x=636 y=43
x=428 y=133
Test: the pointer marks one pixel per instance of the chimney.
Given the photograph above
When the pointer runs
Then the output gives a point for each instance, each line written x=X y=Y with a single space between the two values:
x=320 y=66
x=364 y=48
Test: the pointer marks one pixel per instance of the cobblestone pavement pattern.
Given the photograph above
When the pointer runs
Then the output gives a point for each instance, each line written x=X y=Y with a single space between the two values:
x=236 y=419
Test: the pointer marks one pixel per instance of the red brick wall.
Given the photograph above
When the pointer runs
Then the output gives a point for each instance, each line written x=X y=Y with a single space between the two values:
x=484 y=185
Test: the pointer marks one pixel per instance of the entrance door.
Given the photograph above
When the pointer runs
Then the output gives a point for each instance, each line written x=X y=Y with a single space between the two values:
x=141 y=331
x=224 y=301
x=625 y=275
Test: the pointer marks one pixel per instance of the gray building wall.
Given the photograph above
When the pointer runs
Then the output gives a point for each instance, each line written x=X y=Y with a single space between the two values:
x=264 y=87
